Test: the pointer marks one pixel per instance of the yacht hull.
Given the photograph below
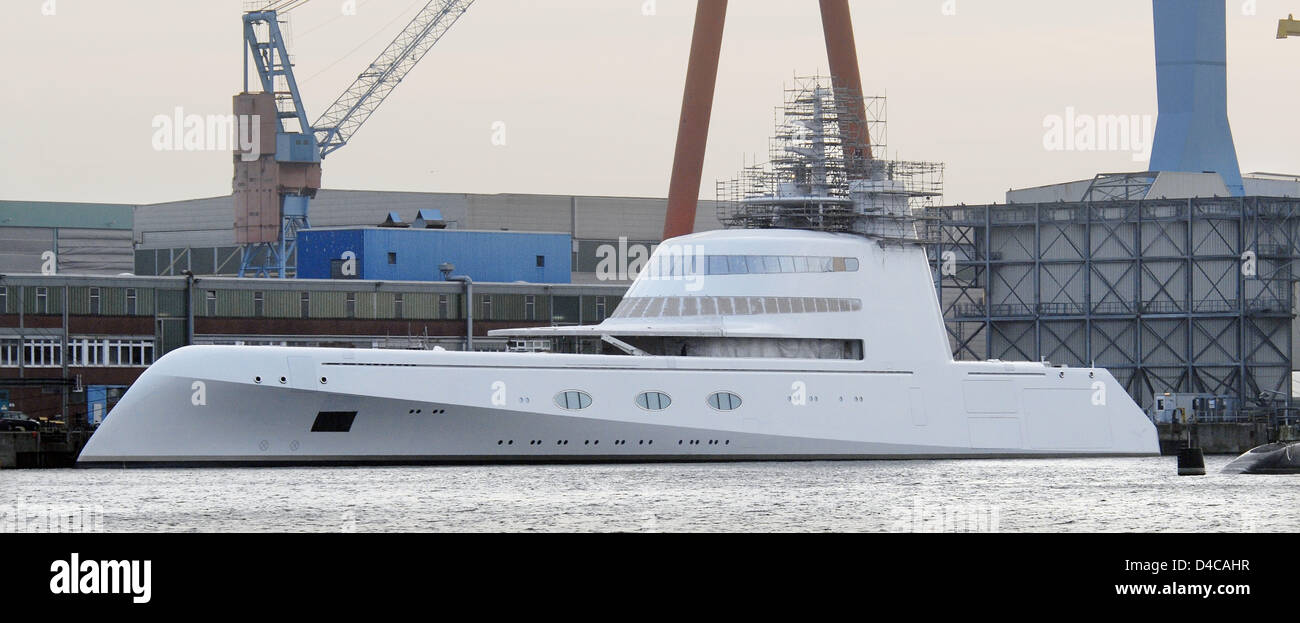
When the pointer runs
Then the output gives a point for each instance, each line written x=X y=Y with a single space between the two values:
x=284 y=406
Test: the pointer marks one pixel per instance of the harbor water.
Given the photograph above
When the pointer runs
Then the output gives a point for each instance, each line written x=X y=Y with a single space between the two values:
x=1052 y=495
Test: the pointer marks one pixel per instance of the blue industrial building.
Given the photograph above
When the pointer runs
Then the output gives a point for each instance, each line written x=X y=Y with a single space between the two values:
x=415 y=254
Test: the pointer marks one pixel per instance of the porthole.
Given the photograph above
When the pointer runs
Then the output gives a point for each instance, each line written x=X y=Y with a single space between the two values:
x=257 y=379
x=724 y=401
x=573 y=400
x=653 y=401
x=323 y=380
x=283 y=380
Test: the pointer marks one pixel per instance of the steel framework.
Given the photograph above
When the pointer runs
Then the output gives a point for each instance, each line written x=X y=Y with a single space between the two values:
x=1177 y=295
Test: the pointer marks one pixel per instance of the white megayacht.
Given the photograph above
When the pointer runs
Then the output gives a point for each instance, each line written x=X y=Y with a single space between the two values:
x=732 y=345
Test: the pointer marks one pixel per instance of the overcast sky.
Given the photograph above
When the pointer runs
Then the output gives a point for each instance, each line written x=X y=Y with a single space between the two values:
x=590 y=90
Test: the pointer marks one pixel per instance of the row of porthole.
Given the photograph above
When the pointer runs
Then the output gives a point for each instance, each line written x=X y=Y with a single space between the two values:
x=617 y=442
x=285 y=379
x=419 y=411
x=575 y=400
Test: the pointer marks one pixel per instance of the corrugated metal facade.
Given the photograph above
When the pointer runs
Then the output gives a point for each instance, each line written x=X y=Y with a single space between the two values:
x=416 y=254
x=84 y=238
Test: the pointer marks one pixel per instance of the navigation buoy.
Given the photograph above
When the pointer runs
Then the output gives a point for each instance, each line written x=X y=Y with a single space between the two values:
x=1191 y=462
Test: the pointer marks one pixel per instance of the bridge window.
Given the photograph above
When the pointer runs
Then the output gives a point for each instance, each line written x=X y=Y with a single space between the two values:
x=671 y=266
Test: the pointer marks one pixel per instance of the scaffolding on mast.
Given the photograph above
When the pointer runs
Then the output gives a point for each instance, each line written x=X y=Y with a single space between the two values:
x=808 y=183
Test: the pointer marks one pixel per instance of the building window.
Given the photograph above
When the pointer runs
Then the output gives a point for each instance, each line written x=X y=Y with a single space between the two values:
x=392 y=257
x=259 y=304
x=9 y=353
x=541 y=261
x=600 y=309
x=304 y=305
x=104 y=352
x=398 y=306
x=573 y=400
x=4 y=299
x=487 y=307
x=443 y=307
x=132 y=301
x=653 y=401
x=724 y=401
x=351 y=305
x=42 y=300
x=210 y=302
x=42 y=353
x=94 y=301
x=530 y=307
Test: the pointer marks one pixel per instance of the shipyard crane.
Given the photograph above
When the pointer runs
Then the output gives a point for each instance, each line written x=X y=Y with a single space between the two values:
x=274 y=184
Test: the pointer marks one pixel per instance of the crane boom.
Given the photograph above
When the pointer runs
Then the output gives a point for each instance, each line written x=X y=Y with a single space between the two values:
x=274 y=185
x=342 y=119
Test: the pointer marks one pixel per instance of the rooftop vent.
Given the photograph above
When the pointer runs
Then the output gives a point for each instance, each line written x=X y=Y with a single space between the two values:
x=429 y=219
x=394 y=220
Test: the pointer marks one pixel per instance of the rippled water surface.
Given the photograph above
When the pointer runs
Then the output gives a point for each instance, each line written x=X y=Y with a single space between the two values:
x=870 y=496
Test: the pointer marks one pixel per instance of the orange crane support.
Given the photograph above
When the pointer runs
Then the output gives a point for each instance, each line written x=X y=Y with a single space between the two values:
x=697 y=107
x=847 y=80
x=697 y=104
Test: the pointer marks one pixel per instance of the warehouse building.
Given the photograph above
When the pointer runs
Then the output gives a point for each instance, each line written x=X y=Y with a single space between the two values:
x=607 y=233
x=69 y=345
x=1192 y=295
x=421 y=253
x=82 y=238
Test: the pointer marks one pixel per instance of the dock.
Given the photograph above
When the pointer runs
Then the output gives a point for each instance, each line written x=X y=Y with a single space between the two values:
x=1222 y=437
x=46 y=449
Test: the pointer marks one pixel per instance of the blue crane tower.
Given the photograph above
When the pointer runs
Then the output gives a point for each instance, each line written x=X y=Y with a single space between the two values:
x=1193 y=133
x=276 y=179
